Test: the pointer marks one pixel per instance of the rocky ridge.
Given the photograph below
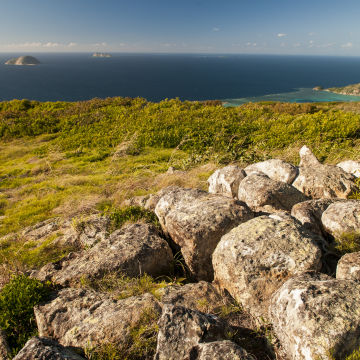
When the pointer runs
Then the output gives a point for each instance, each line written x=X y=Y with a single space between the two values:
x=262 y=235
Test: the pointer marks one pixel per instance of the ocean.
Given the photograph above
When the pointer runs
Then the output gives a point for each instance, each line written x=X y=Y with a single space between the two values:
x=233 y=78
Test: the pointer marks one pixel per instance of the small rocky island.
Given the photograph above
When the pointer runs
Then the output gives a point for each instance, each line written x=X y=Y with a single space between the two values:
x=353 y=89
x=101 y=55
x=23 y=60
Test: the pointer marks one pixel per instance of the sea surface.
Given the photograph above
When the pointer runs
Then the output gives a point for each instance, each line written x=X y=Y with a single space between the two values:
x=235 y=79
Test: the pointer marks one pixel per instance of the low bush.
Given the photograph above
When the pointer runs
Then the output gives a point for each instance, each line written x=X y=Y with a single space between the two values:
x=17 y=301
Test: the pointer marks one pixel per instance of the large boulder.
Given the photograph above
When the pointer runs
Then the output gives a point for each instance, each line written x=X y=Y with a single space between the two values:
x=350 y=166
x=85 y=319
x=201 y=296
x=317 y=317
x=220 y=350
x=309 y=213
x=254 y=259
x=133 y=250
x=261 y=193
x=348 y=267
x=342 y=218
x=182 y=329
x=322 y=181
x=226 y=181
x=275 y=169
x=196 y=221
x=40 y=348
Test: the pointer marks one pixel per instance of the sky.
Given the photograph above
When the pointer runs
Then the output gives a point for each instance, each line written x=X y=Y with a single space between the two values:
x=306 y=27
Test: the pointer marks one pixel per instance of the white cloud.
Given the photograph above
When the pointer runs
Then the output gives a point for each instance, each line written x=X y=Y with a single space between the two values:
x=100 y=44
x=215 y=29
x=347 y=45
x=72 y=44
x=51 y=44
x=280 y=35
x=251 y=44
x=329 y=45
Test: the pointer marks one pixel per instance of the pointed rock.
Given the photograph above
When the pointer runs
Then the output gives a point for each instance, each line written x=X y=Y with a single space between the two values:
x=307 y=157
x=350 y=166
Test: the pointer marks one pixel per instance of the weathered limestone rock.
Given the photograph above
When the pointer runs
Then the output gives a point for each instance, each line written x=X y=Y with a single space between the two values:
x=4 y=347
x=40 y=348
x=84 y=318
x=133 y=250
x=309 y=213
x=313 y=314
x=182 y=329
x=221 y=350
x=226 y=181
x=196 y=220
x=350 y=166
x=201 y=296
x=78 y=232
x=261 y=193
x=348 y=267
x=275 y=169
x=322 y=181
x=342 y=218
x=253 y=260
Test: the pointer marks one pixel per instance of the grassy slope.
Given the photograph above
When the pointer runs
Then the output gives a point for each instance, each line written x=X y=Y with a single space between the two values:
x=57 y=159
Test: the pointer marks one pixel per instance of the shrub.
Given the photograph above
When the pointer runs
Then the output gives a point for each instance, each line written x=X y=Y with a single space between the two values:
x=17 y=300
x=347 y=243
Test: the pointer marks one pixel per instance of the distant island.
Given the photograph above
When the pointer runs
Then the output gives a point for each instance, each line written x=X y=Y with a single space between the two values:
x=102 y=55
x=23 y=60
x=353 y=89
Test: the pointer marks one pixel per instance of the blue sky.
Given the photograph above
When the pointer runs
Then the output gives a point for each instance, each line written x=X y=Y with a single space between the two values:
x=315 y=27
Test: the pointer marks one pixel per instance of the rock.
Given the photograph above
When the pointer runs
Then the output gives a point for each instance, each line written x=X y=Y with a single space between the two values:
x=133 y=250
x=309 y=213
x=348 y=267
x=221 y=350
x=201 y=296
x=342 y=218
x=226 y=181
x=23 y=60
x=313 y=314
x=4 y=347
x=40 y=348
x=84 y=318
x=322 y=181
x=261 y=193
x=350 y=166
x=275 y=169
x=182 y=329
x=77 y=232
x=196 y=220
x=253 y=260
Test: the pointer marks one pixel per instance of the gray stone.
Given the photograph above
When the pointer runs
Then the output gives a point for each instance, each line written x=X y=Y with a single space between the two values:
x=182 y=329
x=275 y=169
x=253 y=260
x=322 y=181
x=4 y=347
x=226 y=181
x=133 y=250
x=348 y=267
x=309 y=213
x=350 y=166
x=196 y=220
x=261 y=193
x=342 y=218
x=314 y=314
x=221 y=350
x=201 y=296
x=85 y=319
x=40 y=348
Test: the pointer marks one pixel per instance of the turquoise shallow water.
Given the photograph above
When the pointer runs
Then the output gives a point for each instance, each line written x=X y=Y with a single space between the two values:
x=301 y=95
